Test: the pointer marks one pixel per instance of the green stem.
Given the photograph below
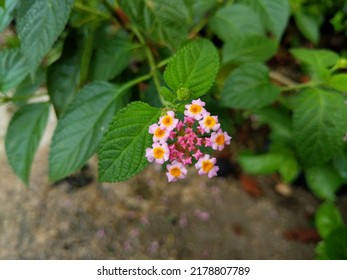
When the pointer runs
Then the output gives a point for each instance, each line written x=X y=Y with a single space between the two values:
x=299 y=86
x=19 y=98
x=87 y=54
x=163 y=62
x=83 y=8
x=136 y=81
x=151 y=61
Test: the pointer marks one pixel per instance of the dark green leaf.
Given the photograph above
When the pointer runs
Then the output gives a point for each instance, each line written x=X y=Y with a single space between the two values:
x=319 y=125
x=248 y=87
x=198 y=9
x=280 y=122
x=324 y=181
x=274 y=14
x=334 y=247
x=252 y=48
x=150 y=95
x=7 y=13
x=327 y=219
x=23 y=137
x=194 y=67
x=13 y=69
x=307 y=25
x=236 y=21
x=122 y=150
x=39 y=23
x=340 y=164
x=80 y=128
x=111 y=56
x=28 y=87
x=63 y=75
x=165 y=22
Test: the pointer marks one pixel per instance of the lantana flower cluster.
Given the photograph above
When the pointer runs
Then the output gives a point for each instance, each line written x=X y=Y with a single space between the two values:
x=179 y=143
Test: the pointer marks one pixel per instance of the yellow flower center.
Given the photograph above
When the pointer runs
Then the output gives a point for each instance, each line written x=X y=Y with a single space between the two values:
x=167 y=120
x=195 y=108
x=159 y=133
x=220 y=139
x=158 y=152
x=175 y=171
x=209 y=122
x=207 y=165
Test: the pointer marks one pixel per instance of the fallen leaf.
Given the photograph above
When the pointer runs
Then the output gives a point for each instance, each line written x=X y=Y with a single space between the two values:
x=250 y=185
x=304 y=235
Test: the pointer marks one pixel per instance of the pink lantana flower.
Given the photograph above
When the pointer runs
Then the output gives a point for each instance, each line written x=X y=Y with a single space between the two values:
x=176 y=170
x=206 y=165
x=159 y=134
x=209 y=123
x=195 y=110
x=159 y=152
x=178 y=143
x=168 y=122
x=219 y=139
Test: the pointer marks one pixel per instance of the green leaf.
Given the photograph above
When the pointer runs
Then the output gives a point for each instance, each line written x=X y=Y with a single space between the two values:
x=289 y=167
x=338 y=82
x=122 y=150
x=327 y=219
x=39 y=23
x=253 y=48
x=193 y=67
x=249 y=87
x=111 y=56
x=23 y=137
x=167 y=94
x=340 y=164
x=63 y=75
x=280 y=121
x=2 y=4
x=7 y=12
x=198 y=9
x=28 y=87
x=13 y=69
x=260 y=164
x=324 y=181
x=319 y=125
x=80 y=128
x=316 y=57
x=274 y=14
x=236 y=21
x=147 y=95
x=334 y=247
x=307 y=25
x=318 y=61
x=165 y=22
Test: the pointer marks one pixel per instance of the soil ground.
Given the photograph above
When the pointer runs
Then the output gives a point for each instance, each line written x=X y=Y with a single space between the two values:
x=147 y=218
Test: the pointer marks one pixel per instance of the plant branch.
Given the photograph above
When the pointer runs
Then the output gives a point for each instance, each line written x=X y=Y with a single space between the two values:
x=86 y=9
x=288 y=84
x=151 y=61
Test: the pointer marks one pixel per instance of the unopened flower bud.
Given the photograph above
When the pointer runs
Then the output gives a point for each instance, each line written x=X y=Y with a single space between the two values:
x=183 y=93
